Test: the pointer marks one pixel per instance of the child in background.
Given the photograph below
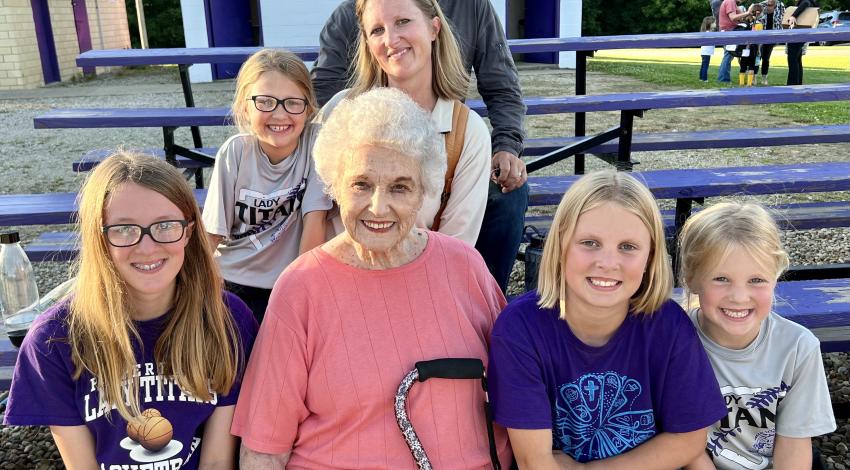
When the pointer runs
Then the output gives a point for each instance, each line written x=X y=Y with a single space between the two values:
x=141 y=367
x=265 y=204
x=749 y=61
x=598 y=364
x=706 y=51
x=769 y=368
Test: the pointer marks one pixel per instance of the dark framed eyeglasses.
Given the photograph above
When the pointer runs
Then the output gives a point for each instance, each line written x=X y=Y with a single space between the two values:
x=267 y=104
x=164 y=231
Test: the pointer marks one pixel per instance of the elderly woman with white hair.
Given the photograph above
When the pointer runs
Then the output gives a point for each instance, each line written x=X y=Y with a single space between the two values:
x=347 y=320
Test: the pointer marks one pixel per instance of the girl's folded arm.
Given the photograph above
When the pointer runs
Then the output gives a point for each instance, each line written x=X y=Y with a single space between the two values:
x=76 y=446
x=664 y=451
x=792 y=453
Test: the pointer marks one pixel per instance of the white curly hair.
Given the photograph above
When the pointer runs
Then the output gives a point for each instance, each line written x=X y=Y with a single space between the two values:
x=382 y=117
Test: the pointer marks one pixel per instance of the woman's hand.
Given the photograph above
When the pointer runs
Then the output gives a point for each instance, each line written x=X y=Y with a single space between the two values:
x=792 y=22
x=511 y=171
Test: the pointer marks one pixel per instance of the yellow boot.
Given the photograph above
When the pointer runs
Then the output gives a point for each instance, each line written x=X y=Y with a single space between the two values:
x=751 y=75
x=742 y=79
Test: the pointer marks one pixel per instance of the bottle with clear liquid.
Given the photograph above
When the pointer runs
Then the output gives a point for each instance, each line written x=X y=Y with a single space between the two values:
x=18 y=324
x=17 y=281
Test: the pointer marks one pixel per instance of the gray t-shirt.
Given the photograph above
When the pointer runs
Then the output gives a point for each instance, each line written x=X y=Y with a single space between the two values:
x=776 y=385
x=258 y=207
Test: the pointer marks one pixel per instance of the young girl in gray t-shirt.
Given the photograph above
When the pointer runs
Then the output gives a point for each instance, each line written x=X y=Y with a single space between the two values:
x=769 y=369
x=265 y=204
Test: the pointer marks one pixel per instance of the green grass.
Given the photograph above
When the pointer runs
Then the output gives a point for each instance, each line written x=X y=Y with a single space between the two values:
x=679 y=69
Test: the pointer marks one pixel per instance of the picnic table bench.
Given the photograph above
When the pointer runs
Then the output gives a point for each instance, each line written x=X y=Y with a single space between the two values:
x=583 y=46
x=629 y=105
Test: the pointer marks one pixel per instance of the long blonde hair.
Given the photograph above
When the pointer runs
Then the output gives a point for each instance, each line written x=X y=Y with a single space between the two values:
x=589 y=192
x=270 y=60
x=198 y=347
x=450 y=78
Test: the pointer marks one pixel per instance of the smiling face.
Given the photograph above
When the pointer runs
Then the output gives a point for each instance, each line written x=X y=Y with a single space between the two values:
x=277 y=131
x=400 y=37
x=379 y=195
x=605 y=260
x=735 y=297
x=148 y=268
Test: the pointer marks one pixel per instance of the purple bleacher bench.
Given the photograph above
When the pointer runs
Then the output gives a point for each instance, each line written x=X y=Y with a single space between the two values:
x=642 y=142
x=92 y=158
x=181 y=117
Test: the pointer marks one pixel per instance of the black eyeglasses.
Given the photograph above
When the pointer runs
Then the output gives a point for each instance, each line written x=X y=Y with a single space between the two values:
x=164 y=231
x=268 y=104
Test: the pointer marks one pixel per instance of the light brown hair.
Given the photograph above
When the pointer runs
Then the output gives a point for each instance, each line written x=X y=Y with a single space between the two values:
x=198 y=347
x=270 y=60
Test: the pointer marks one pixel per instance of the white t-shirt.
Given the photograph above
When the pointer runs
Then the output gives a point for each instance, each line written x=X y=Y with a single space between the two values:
x=465 y=210
x=776 y=385
x=258 y=207
x=706 y=50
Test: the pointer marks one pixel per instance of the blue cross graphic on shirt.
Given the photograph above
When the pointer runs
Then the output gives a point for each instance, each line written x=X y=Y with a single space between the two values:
x=591 y=388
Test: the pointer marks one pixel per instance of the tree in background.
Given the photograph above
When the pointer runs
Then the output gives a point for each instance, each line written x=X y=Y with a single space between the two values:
x=163 y=21
x=615 y=17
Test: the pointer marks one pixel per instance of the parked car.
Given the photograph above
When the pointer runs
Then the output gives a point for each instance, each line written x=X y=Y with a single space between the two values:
x=833 y=19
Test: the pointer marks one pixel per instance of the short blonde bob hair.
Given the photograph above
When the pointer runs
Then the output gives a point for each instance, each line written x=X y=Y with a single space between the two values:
x=710 y=235
x=270 y=60
x=450 y=79
x=590 y=192
x=383 y=117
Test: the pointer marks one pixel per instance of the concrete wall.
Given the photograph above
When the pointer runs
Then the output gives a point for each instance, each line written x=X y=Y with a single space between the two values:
x=20 y=65
x=64 y=37
x=108 y=25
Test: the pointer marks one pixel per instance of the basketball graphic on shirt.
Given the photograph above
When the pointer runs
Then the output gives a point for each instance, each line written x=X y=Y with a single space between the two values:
x=151 y=413
x=156 y=433
x=134 y=428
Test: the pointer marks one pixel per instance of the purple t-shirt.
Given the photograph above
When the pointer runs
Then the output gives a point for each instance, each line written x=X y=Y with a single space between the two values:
x=652 y=376
x=44 y=393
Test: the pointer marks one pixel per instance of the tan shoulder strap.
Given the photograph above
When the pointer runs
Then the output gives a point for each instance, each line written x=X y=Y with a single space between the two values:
x=454 y=147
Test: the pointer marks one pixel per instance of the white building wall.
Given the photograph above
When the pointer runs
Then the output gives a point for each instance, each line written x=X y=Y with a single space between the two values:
x=570 y=27
x=195 y=32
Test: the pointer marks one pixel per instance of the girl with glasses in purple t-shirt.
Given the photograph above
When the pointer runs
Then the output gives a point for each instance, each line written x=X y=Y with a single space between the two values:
x=140 y=366
x=598 y=366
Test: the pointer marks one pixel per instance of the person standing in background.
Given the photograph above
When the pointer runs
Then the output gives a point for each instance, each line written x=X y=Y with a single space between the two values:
x=706 y=52
x=795 y=49
x=770 y=18
x=728 y=18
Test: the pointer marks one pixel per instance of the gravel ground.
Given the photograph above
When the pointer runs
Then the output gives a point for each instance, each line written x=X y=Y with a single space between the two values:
x=35 y=161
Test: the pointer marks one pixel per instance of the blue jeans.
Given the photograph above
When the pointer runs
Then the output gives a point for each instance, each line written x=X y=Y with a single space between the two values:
x=501 y=231
x=703 y=69
x=723 y=75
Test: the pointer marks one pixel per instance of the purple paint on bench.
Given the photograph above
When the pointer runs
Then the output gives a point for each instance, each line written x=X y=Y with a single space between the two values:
x=653 y=41
x=93 y=157
x=821 y=306
x=132 y=117
x=678 y=99
x=217 y=55
x=720 y=138
x=709 y=182
x=800 y=216
x=178 y=56
x=160 y=117
x=46 y=209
